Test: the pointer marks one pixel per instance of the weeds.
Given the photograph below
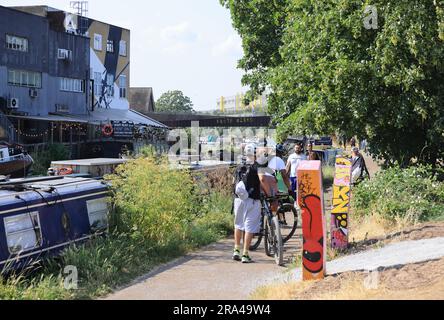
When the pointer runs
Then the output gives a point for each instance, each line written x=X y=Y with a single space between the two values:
x=158 y=216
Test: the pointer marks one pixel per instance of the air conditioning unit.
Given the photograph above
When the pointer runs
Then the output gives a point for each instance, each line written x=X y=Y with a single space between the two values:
x=62 y=108
x=33 y=93
x=64 y=54
x=13 y=103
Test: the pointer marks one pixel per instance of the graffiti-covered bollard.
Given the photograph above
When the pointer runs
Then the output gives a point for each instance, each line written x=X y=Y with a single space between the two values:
x=311 y=201
x=341 y=203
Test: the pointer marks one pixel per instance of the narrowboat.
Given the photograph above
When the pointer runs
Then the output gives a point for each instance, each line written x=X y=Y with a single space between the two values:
x=14 y=161
x=39 y=217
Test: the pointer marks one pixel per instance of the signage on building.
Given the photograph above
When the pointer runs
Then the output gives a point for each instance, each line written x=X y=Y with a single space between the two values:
x=123 y=129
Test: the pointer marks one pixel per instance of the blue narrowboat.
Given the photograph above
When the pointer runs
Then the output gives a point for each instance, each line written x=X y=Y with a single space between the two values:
x=40 y=217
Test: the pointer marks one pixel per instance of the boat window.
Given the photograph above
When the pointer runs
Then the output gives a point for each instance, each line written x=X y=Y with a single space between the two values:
x=98 y=213
x=23 y=232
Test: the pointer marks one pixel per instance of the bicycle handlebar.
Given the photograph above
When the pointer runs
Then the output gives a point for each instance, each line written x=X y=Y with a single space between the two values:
x=279 y=196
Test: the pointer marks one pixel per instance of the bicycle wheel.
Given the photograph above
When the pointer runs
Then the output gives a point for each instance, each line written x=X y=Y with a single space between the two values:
x=288 y=220
x=274 y=245
x=257 y=239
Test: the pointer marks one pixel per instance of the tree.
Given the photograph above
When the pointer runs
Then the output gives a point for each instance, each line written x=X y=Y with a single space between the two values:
x=385 y=85
x=174 y=102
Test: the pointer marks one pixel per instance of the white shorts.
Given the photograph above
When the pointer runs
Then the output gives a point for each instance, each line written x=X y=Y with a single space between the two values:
x=247 y=215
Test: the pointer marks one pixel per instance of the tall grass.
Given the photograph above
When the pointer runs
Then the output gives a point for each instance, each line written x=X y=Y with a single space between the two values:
x=158 y=215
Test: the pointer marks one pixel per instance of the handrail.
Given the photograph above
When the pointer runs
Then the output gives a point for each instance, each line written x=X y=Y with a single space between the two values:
x=12 y=158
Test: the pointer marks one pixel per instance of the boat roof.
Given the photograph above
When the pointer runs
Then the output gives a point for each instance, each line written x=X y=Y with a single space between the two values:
x=26 y=190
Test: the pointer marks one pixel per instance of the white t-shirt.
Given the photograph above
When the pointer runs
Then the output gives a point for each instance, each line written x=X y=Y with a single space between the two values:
x=276 y=164
x=295 y=160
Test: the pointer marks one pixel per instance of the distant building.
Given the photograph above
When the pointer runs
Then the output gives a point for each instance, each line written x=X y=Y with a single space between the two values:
x=142 y=100
x=235 y=104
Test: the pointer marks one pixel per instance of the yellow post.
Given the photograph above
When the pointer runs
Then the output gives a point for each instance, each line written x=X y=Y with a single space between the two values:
x=222 y=104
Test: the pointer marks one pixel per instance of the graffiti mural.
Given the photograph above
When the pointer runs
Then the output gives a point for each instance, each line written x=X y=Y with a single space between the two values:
x=311 y=201
x=341 y=203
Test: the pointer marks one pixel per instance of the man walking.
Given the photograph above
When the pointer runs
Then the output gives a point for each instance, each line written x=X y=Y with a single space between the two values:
x=359 y=167
x=292 y=166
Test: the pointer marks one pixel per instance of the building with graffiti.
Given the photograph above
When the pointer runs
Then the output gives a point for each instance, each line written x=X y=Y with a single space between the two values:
x=109 y=54
x=66 y=80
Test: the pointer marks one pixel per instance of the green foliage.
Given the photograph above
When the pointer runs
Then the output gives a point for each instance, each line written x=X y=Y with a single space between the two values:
x=414 y=193
x=336 y=77
x=158 y=216
x=174 y=102
x=42 y=160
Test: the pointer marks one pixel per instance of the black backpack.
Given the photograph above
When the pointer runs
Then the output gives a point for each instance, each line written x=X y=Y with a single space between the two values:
x=248 y=173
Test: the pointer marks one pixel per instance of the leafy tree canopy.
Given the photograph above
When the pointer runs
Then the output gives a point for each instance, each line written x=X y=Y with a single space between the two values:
x=329 y=74
x=174 y=101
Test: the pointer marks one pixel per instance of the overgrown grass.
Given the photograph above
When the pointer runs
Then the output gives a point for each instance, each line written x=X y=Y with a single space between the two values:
x=43 y=159
x=158 y=216
x=413 y=194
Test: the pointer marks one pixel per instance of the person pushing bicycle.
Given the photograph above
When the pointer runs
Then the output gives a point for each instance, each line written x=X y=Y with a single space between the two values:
x=247 y=205
x=269 y=164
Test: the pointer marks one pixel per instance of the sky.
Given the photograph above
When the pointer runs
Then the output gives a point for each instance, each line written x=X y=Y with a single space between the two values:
x=187 y=45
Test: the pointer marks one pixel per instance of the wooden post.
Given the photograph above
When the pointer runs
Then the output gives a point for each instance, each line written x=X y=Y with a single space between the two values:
x=61 y=132
x=52 y=132
x=341 y=203
x=19 y=128
x=311 y=201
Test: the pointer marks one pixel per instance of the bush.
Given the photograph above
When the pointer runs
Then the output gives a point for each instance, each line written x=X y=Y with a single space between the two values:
x=414 y=193
x=152 y=202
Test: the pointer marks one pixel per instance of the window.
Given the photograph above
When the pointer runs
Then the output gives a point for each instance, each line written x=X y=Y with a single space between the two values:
x=16 y=43
x=98 y=213
x=24 y=78
x=97 y=83
x=122 y=86
x=110 y=46
x=122 y=48
x=110 y=84
x=23 y=232
x=72 y=85
x=64 y=54
x=98 y=42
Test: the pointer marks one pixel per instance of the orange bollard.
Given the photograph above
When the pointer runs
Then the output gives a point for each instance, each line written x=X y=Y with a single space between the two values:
x=311 y=201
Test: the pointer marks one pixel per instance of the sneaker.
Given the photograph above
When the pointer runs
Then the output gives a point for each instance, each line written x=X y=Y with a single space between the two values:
x=236 y=255
x=246 y=259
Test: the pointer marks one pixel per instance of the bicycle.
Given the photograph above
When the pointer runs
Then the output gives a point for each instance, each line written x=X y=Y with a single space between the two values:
x=288 y=220
x=270 y=231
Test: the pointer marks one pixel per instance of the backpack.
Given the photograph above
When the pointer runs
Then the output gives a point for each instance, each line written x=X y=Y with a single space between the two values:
x=248 y=174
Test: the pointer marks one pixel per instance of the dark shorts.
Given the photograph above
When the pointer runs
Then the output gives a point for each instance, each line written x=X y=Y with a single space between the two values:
x=294 y=184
